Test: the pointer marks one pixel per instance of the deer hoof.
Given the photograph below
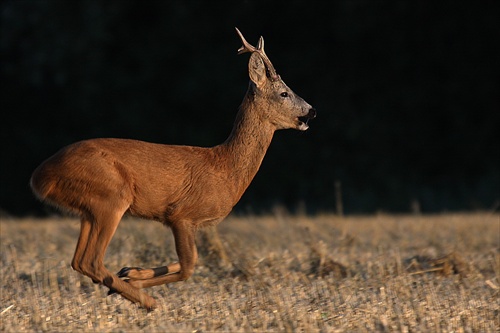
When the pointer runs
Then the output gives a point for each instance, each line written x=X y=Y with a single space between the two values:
x=111 y=292
x=125 y=271
x=150 y=306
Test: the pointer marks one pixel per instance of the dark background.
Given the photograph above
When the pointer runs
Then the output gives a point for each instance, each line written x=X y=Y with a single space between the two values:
x=407 y=93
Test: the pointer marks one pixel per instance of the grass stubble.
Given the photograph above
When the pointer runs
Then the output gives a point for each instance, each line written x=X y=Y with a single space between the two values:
x=278 y=272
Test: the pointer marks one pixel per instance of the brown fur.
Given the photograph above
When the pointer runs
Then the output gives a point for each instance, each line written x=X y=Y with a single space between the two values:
x=183 y=187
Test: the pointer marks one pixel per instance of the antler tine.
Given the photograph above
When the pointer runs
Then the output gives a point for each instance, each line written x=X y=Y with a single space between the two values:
x=260 y=44
x=246 y=47
x=260 y=48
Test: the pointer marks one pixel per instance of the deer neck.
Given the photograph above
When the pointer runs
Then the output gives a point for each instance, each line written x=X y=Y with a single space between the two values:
x=246 y=146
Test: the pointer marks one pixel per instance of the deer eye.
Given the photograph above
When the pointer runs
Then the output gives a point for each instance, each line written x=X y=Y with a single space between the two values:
x=284 y=94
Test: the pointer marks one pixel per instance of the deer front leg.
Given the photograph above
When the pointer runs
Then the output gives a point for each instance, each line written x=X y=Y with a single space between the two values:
x=185 y=246
x=138 y=273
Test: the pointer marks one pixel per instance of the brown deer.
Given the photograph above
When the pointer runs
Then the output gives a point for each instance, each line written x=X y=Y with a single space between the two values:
x=182 y=187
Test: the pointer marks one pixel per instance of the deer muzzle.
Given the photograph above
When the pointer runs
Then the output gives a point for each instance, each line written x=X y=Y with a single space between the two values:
x=303 y=120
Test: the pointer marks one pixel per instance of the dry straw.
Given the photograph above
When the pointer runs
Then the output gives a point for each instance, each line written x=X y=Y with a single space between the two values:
x=269 y=273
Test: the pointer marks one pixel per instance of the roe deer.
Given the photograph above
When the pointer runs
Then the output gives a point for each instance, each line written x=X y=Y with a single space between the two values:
x=182 y=187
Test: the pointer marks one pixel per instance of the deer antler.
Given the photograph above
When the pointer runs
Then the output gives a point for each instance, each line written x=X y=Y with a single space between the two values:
x=247 y=47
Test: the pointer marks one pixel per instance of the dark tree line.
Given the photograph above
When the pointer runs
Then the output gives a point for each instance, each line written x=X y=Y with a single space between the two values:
x=407 y=93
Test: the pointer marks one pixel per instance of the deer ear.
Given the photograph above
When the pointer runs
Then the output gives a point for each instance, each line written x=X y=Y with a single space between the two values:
x=257 y=69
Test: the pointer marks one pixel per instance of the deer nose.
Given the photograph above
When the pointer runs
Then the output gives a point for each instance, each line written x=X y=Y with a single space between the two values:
x=312 y=113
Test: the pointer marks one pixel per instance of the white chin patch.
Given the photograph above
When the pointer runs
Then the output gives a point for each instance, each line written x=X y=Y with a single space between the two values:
x=302 y=126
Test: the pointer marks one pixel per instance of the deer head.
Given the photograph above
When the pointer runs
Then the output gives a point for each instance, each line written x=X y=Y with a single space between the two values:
x=278 y=103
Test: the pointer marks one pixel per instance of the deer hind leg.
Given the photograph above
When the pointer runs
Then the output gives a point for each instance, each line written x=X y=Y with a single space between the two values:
x=95 y=236
x=85 y=226
x=184 y=235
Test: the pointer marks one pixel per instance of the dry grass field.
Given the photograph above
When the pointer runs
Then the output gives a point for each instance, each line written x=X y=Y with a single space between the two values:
x=280 y=272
